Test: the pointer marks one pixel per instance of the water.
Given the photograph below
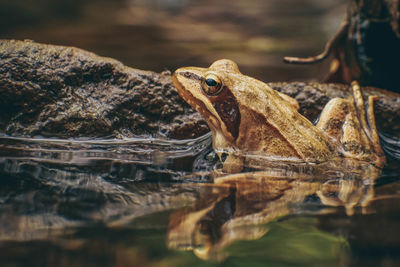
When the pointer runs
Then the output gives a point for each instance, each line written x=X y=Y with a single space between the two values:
x=152 y=202
x=138 y=202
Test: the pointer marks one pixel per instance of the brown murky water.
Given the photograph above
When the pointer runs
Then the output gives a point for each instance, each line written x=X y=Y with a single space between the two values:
x=151 y=202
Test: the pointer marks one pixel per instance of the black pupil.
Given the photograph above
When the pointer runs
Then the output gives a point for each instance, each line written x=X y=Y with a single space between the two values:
x=211 y=82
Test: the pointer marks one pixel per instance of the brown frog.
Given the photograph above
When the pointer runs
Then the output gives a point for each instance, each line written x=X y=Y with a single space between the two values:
x=249 y=119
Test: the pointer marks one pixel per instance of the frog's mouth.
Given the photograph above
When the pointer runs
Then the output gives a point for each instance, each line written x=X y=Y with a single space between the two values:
x=196 y=99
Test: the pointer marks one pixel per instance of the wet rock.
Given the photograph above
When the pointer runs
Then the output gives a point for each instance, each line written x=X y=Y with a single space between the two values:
x=312 y=98
x=60 y=91
x=66 y=92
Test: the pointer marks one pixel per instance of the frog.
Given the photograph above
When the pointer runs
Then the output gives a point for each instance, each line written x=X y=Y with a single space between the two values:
x=248 y=119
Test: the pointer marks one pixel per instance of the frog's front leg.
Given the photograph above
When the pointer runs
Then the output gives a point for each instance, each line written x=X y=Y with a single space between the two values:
x=233 y=164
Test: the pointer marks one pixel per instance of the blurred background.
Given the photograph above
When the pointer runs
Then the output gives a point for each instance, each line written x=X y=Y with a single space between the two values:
x=166 y=34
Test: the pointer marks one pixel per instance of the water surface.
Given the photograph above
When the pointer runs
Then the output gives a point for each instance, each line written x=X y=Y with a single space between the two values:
x=141 y=202
x=151 y=202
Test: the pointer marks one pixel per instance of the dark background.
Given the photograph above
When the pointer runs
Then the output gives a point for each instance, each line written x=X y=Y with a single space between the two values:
x=167 y=34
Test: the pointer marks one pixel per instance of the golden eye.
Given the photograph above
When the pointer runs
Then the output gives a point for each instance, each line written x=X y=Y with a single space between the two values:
x=212 y=85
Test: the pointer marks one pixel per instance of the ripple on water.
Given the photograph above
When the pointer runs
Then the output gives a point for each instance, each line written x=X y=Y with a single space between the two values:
x=391 y=145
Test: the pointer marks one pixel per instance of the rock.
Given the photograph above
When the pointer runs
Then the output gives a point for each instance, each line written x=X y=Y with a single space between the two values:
x=61 y=91
x=312 y=98
x=58 y=91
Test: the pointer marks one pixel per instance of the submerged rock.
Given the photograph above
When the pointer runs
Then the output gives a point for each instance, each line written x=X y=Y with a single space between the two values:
x=58 y=91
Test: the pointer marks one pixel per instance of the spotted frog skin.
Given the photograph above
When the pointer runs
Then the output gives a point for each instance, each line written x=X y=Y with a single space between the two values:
x=247 y=117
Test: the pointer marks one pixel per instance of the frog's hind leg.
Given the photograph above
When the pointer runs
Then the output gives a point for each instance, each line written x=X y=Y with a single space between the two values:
x=339 y=121
x=352 y=127
x=370 y=128
x=344 y=120
x=360 y=108
x=367 y=147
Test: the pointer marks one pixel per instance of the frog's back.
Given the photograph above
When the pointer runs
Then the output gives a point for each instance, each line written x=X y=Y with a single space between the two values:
x=280 y=129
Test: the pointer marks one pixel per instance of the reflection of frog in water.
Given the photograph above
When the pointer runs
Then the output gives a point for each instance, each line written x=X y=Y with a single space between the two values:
x=240 y=206
x=246 y=116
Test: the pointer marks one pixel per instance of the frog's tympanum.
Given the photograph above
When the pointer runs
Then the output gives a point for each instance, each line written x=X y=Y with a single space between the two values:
x=249 y=119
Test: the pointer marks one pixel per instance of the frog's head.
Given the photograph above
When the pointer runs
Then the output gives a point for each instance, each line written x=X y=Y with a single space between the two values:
x=209 y=91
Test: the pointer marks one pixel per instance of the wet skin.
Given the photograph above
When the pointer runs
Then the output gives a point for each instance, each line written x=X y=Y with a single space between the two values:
x=247 y=117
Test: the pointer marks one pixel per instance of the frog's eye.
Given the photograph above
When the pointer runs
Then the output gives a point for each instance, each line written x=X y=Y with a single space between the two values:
x=212 y=85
